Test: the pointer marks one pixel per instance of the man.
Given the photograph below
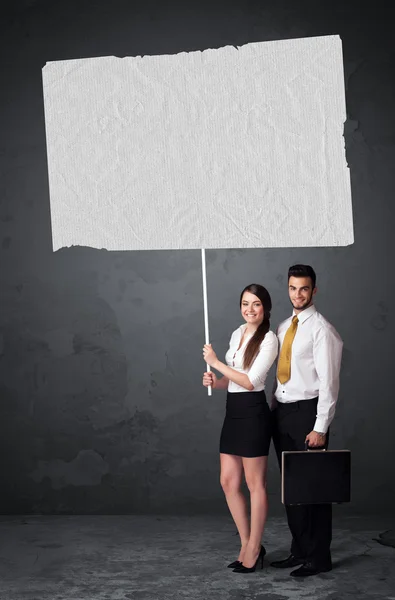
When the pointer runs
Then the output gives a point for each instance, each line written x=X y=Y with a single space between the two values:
x=304 y=401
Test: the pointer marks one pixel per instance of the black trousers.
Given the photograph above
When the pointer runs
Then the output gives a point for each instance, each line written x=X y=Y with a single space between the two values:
x=310 y=525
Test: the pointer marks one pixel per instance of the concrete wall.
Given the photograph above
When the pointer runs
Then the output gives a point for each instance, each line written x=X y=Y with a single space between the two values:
x=101 y=404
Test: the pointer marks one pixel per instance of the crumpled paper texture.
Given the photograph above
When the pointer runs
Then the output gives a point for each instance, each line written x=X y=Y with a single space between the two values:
x=226 y=148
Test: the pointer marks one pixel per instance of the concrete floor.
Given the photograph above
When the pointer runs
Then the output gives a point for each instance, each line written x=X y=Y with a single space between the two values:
x=158 y=558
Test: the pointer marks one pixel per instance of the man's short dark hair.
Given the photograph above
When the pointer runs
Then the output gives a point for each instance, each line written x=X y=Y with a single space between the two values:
x=302 y=271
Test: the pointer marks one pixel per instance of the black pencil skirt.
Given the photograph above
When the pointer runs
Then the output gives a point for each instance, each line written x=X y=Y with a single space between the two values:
x=248 y=425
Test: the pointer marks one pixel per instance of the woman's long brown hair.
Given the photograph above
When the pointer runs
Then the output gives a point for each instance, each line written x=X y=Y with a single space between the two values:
x=253 y=345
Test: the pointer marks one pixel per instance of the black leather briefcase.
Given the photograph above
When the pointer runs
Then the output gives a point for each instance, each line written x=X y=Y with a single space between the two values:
x=316 y=477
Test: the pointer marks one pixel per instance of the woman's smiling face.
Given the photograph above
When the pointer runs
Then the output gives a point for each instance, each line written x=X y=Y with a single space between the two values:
x=252 y=309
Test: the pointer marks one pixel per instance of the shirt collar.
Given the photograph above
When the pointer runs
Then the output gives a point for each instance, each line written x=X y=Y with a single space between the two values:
x=306 y=314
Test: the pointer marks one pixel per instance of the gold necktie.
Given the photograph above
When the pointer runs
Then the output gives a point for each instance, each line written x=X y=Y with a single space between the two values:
x=284 y=361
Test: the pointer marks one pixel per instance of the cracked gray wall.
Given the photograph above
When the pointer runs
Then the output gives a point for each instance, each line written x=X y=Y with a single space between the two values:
x=102 y=409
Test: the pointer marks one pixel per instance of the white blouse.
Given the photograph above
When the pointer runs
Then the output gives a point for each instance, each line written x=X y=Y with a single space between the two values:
x=259 y=369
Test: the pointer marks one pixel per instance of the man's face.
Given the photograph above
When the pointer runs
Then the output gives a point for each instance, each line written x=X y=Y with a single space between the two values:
x=301 y=292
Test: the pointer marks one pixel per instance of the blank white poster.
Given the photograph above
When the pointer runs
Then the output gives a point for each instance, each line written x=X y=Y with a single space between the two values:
x=226 y=148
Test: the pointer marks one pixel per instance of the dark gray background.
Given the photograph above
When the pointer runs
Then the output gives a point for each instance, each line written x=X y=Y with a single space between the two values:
x=102 y=409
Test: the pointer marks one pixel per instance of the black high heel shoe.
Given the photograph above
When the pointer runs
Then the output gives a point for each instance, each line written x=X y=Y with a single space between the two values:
x=258 y=563
x=235 y=563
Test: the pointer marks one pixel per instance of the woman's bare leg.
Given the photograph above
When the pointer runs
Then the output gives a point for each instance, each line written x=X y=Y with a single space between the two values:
x=231 y=481
x=255 y=474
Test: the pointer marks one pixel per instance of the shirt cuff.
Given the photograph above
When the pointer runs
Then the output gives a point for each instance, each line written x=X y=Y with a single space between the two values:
x=321 y=425
x=255 y=381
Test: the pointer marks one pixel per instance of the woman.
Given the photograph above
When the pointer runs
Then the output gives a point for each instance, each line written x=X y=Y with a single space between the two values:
x=246 y=432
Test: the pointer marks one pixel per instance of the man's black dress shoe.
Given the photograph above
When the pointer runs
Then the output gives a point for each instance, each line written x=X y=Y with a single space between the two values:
x=289 y=562
x=309 y=569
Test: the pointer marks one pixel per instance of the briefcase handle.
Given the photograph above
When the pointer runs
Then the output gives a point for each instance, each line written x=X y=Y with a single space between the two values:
x=306 y=447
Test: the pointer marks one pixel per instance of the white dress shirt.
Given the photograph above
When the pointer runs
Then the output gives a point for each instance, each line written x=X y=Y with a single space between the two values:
x=315 y=365
x=259 y=369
